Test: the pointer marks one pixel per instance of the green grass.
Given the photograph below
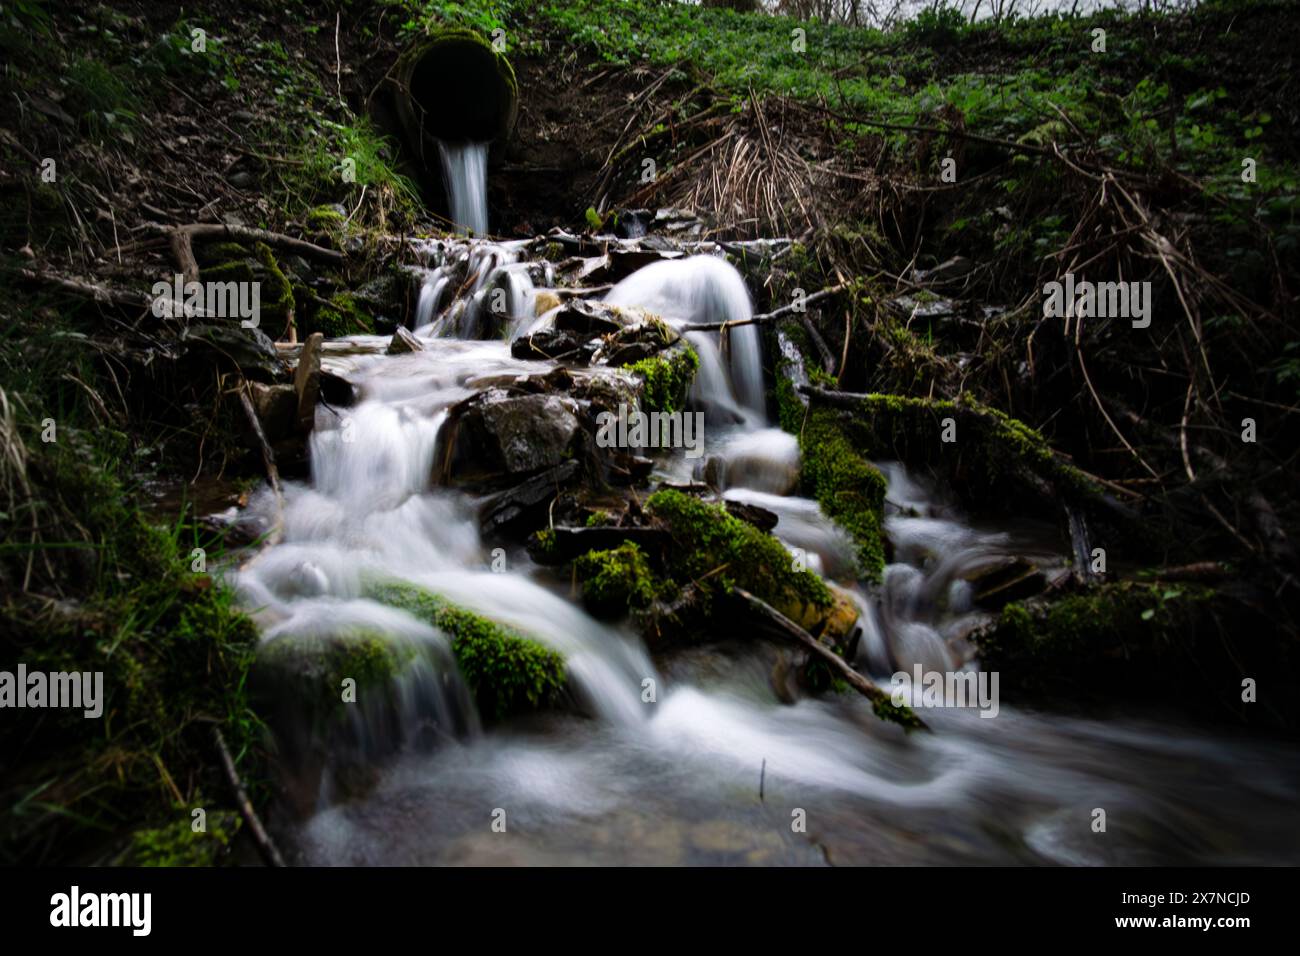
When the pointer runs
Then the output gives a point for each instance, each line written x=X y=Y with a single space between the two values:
x=90 y=582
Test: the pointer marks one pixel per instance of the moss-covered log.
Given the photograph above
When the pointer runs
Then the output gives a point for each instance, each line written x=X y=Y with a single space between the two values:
x=1138 y=643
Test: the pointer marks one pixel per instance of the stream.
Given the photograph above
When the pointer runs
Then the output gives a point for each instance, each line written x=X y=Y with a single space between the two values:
x=715 y=769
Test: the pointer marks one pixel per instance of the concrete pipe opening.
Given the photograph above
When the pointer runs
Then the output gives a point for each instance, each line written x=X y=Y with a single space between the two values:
x=456 y=94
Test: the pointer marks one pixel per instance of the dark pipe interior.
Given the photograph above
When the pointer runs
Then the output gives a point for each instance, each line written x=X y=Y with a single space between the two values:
x=461 y=89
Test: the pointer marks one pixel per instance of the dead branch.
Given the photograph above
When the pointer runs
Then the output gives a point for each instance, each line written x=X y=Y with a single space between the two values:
x=780 y=313
x=265 y=846
x=90 y=290
x=213 y=231
x=790 y=629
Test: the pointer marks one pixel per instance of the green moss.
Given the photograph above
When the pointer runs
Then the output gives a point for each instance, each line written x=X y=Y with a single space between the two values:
x=214 y=253
x=507 y=672
x=311 y=670
x=993 y=457
x=543 y=542
x=235 y=270
x=178 y=844
x=325 y=219
x=617 y=580
x=277 y=303
x=900 y=714
x=342 y=317
x=173 y=649
x=667 y=379
x=369 y=659
x=718 y=551
x=849 y=489
x=789 y=410
x=1124 y=630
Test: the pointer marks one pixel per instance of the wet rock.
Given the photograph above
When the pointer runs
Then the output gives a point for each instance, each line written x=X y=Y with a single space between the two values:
x=923 y=307
x=251 y=349
x=623 y=262
x=632 y=223
x=678 y=222
x=760 y=518
x=1012 y=579
x=505 y=508
x=561 y=344
x=385 y=293
x=625 y=468
x=286 y=681
x=544 y=301
x=337 y=391
x=660 y=243
x=498 y=435
x=277 y=409
x=587 y=318
x=306 y=381
x=299 y=267
x=636 y=342
x=404 y=343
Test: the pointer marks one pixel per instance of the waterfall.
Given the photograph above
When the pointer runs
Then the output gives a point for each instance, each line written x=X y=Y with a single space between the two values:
x=664 y=767
x=705 y=289
x=464 y=170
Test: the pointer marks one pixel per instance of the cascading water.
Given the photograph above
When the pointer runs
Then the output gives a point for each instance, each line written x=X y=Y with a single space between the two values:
x=464 y=170
x=675 y=779
x=700 y=289
x=496 y=290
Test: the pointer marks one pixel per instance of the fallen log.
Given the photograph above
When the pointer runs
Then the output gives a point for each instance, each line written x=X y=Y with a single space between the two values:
x=783 y=625
x=99 y=293
x=185 y=235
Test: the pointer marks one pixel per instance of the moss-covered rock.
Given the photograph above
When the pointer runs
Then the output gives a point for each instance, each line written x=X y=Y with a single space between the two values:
x=717 y=551
x=343 y=316
x=1139 y=642
x=311 y=670
x=179 y=844
x=849 y=489
x=234 y=270
x=833 y=470
x=994 y=461
x=507 y=672
x=618 y=580
x=668 y=378
x=215 y=253
x=328 y=220
x=277 y=303
x=1066 y=637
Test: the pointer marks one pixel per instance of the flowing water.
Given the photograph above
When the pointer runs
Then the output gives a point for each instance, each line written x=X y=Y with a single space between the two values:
x=464 y=169
x=717 y=767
